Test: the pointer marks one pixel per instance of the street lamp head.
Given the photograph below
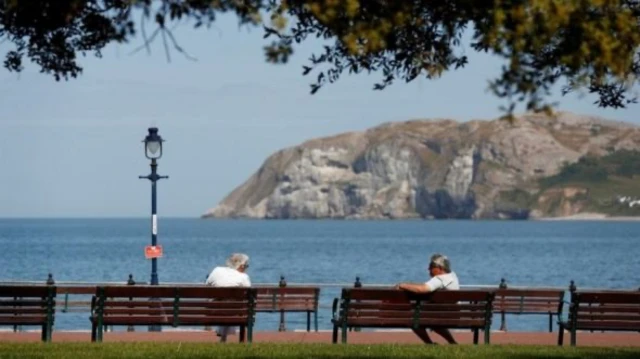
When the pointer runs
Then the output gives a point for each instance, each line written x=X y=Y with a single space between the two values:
x=153 y=144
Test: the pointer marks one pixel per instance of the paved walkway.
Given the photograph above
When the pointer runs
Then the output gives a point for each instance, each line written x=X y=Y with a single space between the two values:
x=540 y=338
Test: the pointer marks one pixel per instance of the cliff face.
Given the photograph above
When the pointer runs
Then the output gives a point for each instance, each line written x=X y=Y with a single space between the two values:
x=423 y=169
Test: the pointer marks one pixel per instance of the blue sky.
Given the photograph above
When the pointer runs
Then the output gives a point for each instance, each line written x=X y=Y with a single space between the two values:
x=73 y=149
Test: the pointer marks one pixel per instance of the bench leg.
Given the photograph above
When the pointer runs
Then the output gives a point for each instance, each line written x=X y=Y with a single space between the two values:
x=560 y=336
x=550 y=323
x=308 y=321
x=99 y=334
x=487 y=335
x=334 y=335
x=344 y=333
x=49 y=332
x=475 y=336
x=43 y=334
x=93 y=332
x=573 y=337
x=315 y=319
x=250 y=333
x=242 y=333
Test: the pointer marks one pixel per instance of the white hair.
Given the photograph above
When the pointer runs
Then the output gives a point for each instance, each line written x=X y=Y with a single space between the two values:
x=441 y=261
x=236 y=260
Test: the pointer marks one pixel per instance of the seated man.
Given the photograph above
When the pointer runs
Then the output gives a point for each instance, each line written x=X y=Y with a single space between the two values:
x=442 y=278
x=232 y=275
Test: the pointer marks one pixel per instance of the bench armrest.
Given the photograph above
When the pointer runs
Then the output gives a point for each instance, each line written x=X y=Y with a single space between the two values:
x=334 y=308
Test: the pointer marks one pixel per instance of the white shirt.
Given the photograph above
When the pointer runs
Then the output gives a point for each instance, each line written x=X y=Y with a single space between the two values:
x=228 y=277
x=447 y=281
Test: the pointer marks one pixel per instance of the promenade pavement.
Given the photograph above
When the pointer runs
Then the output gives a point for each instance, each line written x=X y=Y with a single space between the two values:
x=368 y=337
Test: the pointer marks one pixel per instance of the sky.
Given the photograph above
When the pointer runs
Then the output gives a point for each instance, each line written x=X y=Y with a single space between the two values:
x=74 y=148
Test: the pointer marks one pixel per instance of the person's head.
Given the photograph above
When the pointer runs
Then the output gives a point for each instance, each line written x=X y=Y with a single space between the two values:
x=238 y=261
x=439 y=264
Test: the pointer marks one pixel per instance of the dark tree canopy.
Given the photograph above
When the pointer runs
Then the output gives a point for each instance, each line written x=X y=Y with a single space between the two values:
x=591 y=45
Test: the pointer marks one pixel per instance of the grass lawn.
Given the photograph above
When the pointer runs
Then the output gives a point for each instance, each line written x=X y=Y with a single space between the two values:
x=256 y=351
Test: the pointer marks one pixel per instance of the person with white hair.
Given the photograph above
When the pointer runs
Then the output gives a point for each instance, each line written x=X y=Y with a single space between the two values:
x=232 y=275
x=442 y=278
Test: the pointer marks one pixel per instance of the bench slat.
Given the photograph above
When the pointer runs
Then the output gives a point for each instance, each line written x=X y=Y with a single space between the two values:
x=608 y=324
x=23 y=320
x=169 y=304
x=525 y=300
x=23 y=303
x=168 y=320
x=23 y=310
x=406 y=314
x=609 y=297
x=269 y=291
x=603 y=317
x=408 y=323
x=529 y=293
x=204 y=312
x=529 y=308
x=170 y=292
x=24 y=291
x=583 y=309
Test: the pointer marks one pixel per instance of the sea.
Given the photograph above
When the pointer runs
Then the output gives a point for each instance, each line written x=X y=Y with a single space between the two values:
x=327 y=253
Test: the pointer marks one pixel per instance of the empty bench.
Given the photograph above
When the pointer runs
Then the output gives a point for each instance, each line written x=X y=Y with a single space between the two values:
x=28 y=305
x=390 y=308
x=528 y=301
x=173 y=306
x=289 y=299
x=601 y=310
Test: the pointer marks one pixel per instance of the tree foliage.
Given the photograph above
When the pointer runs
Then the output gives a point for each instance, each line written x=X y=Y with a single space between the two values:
x=590 y=45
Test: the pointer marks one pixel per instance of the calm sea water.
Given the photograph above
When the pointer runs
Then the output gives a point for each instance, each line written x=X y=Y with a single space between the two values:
x=594 y=254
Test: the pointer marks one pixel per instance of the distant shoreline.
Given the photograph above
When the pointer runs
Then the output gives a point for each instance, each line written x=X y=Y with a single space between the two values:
x=589 y=217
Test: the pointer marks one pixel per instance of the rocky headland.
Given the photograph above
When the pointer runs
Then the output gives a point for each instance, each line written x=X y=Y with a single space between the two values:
x=437 y=169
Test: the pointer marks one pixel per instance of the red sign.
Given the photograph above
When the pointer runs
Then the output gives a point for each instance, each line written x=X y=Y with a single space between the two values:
x=152 y=252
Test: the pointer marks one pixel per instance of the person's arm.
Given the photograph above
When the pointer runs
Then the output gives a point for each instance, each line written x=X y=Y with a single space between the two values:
x=210 y=279
x=433 y=284
x=413 y=287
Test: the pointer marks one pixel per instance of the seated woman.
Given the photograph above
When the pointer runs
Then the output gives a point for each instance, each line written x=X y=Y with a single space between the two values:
x=232 y=275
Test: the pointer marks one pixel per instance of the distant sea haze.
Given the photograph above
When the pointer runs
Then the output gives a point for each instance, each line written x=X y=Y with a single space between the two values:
x=530 y=253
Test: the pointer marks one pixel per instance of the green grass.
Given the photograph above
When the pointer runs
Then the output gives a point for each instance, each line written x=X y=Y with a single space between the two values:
x=256 y=351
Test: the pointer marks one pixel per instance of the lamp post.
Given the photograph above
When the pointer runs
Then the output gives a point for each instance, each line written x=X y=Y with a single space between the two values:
x=153 y=151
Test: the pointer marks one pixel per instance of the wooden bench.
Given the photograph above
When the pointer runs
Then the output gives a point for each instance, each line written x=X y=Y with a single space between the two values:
x=174 y=306
x=528 y=301
x=289 y=299
x=28 y=305
x=601 y=310
x=390 y=308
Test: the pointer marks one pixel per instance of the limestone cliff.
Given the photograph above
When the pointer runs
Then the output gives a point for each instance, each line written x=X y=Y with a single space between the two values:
x=424 y=169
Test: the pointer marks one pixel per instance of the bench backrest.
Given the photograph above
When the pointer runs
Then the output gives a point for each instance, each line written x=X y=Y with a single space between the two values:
x=528 y=301
x=302 y=299
x=27 y=305
x=193 y=305
x=396 y=308
x=605 y=310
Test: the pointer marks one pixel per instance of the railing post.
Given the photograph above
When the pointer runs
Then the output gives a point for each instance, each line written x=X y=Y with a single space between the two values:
x=503 y=320
x=282 y=284
x=130 y=281
x=356 y=284
x=50 y=280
